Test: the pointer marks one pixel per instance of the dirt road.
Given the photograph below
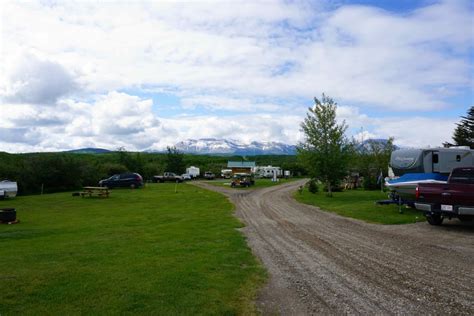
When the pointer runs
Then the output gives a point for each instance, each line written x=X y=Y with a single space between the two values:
x=321 y=263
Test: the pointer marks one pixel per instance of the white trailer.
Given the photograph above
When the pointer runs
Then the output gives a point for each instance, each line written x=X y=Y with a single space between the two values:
x=194 y=172
x=8 y=189
x=268 y=171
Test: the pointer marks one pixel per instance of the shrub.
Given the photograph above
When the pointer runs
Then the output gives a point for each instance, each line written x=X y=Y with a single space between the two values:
x=313 y=186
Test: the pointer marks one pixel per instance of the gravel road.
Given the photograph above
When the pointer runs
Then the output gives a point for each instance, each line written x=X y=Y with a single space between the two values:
x=321 y=263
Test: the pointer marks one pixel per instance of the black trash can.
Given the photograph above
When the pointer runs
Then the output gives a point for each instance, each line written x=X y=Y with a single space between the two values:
x=7 y=215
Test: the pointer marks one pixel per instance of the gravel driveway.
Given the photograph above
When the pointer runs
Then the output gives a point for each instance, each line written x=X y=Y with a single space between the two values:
x=321 y=263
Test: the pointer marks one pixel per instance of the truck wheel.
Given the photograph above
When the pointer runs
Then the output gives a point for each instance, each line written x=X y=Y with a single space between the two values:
x=465 y=218
x=132 y=186
x=434 y=219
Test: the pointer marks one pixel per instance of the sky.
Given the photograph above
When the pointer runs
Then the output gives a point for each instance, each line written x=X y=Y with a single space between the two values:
x=146 y=75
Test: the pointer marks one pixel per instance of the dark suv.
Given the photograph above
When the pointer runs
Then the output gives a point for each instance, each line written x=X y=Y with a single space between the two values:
x=126 y=180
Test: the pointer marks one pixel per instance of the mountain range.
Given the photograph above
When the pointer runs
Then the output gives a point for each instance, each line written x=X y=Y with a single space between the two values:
x=216 y=146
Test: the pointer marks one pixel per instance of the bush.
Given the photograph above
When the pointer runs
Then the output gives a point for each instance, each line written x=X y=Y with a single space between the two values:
x=370 y=183
x=313 y=186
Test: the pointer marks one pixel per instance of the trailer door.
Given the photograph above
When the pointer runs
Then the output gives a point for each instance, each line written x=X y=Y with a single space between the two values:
x=435 y=160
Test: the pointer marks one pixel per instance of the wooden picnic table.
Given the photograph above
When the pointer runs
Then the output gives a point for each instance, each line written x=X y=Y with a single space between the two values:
x=97 y=191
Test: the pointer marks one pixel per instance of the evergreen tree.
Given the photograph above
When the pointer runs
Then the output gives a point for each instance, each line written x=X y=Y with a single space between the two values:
x=326 y=150
x=464 y=132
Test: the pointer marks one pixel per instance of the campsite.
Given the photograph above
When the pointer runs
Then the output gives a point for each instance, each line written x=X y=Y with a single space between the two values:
x=265 y=157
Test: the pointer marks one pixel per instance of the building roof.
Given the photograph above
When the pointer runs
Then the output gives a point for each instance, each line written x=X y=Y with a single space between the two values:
x=240 y=164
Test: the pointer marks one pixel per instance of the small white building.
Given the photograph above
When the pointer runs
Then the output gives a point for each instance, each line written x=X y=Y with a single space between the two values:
x=194 y=172
x=268 y=171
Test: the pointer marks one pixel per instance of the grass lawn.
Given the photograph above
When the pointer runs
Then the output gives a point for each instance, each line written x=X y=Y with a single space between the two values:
x=146 y=251
x=360 y=204
x=259 y=183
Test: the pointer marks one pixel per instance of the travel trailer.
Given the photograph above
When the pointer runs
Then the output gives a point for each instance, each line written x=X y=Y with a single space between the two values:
x=8 y=189
x=194 y=172
x=268 y=171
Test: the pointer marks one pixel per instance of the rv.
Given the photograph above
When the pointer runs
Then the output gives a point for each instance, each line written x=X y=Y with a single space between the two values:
x=8 y=189
x=226 y=173
x=194 y=172
x=268 y=172
x=431 y=160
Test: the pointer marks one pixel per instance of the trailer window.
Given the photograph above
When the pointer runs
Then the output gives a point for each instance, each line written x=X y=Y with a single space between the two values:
x=435 y=158
x=458 y=158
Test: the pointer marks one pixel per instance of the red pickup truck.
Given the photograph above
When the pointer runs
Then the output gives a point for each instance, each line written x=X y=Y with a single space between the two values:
x=453 y=199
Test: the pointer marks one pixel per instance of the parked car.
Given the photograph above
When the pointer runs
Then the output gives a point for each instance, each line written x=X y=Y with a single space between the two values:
x=209 y=175
x=447 y=200
x=242 y=180
x=124 y=180
x=168 y=176
x=186 y=176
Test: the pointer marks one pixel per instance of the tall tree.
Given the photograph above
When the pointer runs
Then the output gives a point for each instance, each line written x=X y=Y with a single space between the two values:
x=325 y=151
x=175 y=161
x=464 y=132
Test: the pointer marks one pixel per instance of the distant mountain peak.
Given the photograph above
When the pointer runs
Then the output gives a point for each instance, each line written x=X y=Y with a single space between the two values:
x=233 y=147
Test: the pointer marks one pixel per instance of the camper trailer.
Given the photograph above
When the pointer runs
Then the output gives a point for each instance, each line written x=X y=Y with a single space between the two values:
x=8 y=189
x=194 y=172
x=268 y=172
x=431 y=160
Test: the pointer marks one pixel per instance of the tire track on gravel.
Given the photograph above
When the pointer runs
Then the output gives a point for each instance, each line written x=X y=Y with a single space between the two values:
x=321 y=263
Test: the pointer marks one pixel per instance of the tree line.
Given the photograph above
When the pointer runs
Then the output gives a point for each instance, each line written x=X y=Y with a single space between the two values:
x=56 y=172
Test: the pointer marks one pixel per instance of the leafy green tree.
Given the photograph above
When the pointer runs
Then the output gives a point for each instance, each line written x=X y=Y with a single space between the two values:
x=326 y=150
x=464 y=132
x=175 y=161
x=371 y=159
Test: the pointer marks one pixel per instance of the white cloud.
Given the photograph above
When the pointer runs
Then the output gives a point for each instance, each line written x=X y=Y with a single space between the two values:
x=30 y=80
x=225 y=56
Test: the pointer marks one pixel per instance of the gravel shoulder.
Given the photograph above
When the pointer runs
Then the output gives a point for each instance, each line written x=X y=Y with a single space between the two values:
x=321 y=263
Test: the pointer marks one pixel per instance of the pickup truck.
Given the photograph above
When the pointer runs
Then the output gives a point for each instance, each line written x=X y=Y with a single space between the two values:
x=453 y=199
x=168 y=176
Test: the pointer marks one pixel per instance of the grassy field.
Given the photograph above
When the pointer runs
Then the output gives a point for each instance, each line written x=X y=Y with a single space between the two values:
x=259 y=183
x=146 y=251
x=360 y=204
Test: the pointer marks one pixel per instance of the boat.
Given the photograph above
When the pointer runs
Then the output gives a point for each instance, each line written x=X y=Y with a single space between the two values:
x=8 y=189
x=404 y=187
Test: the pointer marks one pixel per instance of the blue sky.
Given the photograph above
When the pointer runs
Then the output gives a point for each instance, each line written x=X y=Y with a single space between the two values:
x=145 y=75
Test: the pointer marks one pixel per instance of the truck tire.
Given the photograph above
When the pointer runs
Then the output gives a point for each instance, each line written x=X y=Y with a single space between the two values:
x=7 y=215
x=466 y=218
x=434 y=219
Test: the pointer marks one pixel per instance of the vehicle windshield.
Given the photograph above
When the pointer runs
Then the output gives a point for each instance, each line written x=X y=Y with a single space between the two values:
x=462 y=176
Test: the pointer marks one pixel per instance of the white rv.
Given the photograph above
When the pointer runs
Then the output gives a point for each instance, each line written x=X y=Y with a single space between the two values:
x=8 y=189
x=193 y=171
x=268 y=171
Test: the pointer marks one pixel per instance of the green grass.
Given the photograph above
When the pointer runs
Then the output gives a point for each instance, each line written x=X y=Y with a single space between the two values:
x=361 y=205
x=146 y=251
x=259 y=183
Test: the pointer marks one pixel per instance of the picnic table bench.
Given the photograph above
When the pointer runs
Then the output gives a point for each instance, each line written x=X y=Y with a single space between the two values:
x=97 y=191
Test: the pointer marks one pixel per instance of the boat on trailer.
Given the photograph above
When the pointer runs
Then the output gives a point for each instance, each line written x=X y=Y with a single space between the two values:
x=430 y=165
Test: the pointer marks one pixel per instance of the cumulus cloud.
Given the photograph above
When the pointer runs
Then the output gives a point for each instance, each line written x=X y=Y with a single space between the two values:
x=35 y=81
x=226 y=57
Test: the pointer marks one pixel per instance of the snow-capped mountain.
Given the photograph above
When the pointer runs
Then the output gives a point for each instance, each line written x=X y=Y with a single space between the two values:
x=369 y=145
x=233 y=147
